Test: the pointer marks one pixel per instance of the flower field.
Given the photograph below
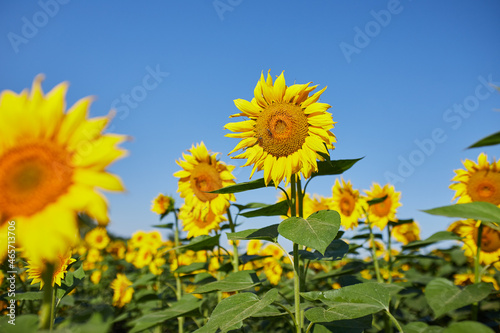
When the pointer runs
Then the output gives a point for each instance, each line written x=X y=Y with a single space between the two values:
x=349 y=263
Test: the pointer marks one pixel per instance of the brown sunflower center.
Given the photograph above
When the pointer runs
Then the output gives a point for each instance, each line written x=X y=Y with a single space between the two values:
x=205 y=178
x=382 y=208
x=484 y=185
x=33 y=176
x=490 y=239
x=346 y=205
x=99 y=239
x=281 y=129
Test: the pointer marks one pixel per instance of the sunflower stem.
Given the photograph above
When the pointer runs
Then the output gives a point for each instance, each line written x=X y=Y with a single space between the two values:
x=477 y=269
x=389 y=250
x=235 y=256
x=296 y=260
x=178 y=291
x=47 y=309
x=374 y=254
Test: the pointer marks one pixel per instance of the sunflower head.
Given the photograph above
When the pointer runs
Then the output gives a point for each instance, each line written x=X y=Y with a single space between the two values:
x=406 y=233
x=123 y=290
x=286 y=132
x=381 y=213
x=97 y=238
x=347 y=202
x=478 y=182
x=37 y=267
x=162 y=204
x=51 y=164
x=199 y=226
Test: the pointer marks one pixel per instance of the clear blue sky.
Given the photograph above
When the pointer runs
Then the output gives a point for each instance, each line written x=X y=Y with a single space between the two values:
x=400 y=75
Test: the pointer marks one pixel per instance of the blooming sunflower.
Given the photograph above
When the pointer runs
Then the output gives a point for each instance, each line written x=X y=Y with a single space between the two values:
x=466 y=279
x=347 y=202
x=97 y=238
x=202 y=173
x=406 y=233
x=490 y=241
x=287 y=130
x=123 y=291
x=51 y=164
x=199 y=226
x=478 y=182
x=37 y=266
x=381 y=213
x=162 y=204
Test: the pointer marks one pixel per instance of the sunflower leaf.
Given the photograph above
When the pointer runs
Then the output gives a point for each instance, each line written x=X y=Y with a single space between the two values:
x=335 y=251
x=233 y=282
x=477 y=210
x=269 y=233
x=200 y=243
x=376 y=201
x=437 y=237
x=277 y=209
x=490 y=140
x=335 y=167
x=242 y=187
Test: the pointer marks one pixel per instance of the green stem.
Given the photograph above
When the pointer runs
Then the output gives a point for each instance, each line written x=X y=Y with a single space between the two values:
x=309 y=327
x=477 y=269
x=296 y=260
x=178 y=282
x=374 y=255
x=389 y=249
x=47 y=309
x=396 y=323
x=235 y=246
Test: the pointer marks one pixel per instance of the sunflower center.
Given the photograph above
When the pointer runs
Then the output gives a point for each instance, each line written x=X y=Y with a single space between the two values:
x=346 y=205
x=99 y=239
x=205 y=178
x=490 y=239
x=281 y=129
x=382 y=208
x=484 y=185
x=33 y=176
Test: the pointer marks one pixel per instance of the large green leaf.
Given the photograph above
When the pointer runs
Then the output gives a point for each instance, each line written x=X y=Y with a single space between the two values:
x=233 y=282
x=280 y=208
x=200 y=243
x=185 y=305
x=421 y=327
x=335 y=251
x=477 y=210
x=350 y=302
x=231 y=311
x=443 y=296
x=467 y=327
x=335 y=167
x=317 y=231
x=23 y=323
x=269 y=233
x=490 y=140
x=28 y=296
x=357 y=325
x=242 y=187
x=437 y=237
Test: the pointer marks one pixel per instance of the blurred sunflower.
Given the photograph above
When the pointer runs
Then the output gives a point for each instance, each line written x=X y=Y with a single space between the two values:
x=478 y=182
x=97 y=238
x=199 y=226
x=162 y=204
x=51 y=164
x=37 y=266
x=381 y=213
x=123 y=291
x=347 y=202
x=490 y=241
x=466 y=279
x=287 y=130
x=254 y=246
x=202 y=173
x=406 y=233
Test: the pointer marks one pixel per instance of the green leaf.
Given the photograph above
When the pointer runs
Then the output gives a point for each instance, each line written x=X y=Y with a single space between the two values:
x=335 y=251
x=195 y=266
x=269 y=311
x=185 y=305
x=443 y=296
x=29 y=296
x=233 y=282
x=421 y=327
x=350 y=302
x=357 y=325
x=437 y=237
x=280 y=208
x=376 y=200
x=201 y=243
x=467 y=327
x=335 y=167
x=23 y=323
x=317 y=231
x=490 y=140
x=163 y=226
x=242 y=187
x=70 y=282
x=269 y=233
x=231 y=311
x=477 y=210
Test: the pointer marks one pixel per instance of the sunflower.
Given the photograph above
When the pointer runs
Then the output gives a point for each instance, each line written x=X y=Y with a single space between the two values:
x=97 y=238
x=478 y=182
x=162 y=204
x=202 y=173
x=466 y=279
x=406 y=233
x=347 y=202
x=287 y=130
x=199 y=226
x=51 y=164
x=490 y=241
x=123 y=291
x=381 y=213
x=37 y=266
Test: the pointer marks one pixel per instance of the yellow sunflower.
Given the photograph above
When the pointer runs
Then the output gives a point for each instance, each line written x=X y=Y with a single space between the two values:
x=347 y=202
x=199 y=226
x=97 y=238
x=37 y=266
x=406 y=233
x=202 y=173
x=466 y=279
x=162 y=204
x=51 y=164
x=383 y=212
x=478 y=182
x=490 y=241
x=287 y=130
x=123 y=291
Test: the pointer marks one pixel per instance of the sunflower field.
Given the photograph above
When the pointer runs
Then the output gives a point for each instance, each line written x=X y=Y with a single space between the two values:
x=340 y=263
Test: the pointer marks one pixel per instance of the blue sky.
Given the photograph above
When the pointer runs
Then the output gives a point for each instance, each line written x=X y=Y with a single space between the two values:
x=407 y=81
